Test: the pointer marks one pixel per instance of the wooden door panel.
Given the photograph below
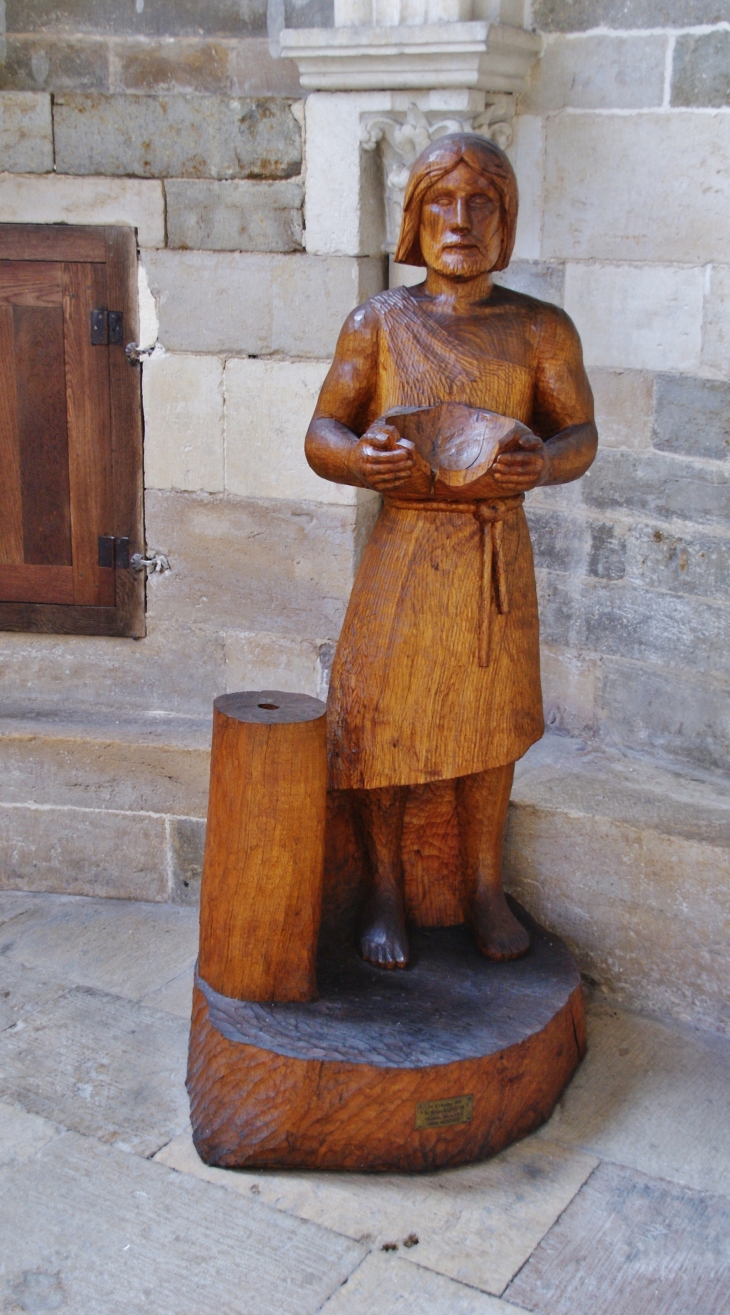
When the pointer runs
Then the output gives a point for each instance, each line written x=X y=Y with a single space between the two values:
x=37 y=584
x=89 y=433
x=31 y=283
x=41 y=408
x=11 y=510
x=70 y=431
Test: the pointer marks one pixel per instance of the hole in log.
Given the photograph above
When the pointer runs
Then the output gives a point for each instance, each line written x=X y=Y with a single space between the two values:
x=272 y=706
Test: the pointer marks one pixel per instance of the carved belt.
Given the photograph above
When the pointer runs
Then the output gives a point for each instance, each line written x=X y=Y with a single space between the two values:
x=490 y=515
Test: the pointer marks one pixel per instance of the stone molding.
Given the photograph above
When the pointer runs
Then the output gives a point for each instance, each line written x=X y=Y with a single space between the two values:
x=491 y=57
x=402 y=137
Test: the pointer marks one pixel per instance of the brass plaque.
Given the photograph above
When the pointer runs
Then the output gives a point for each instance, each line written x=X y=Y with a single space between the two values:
x=441 y=1113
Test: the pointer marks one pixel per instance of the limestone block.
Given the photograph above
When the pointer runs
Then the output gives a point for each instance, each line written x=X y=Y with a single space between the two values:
x=560 y=542
x=716 y=326
x=597 y=72
x=187 y=843
x=108 y=944
x=624 y=407
x=176 y=136
x=607 y=556
x=22 y=1135
x=612 y=190
x=692 y=416
x=74 y=1208
x=271 y=661
x=701 y=69
x=537 y=278
x=160 y=65
x=106 y=18
x=256 y=73
x=106 y=1067
x=277 y=567
x=212 y=302
x=179 y=668
x=476 y=1224
x=269 y=405
x=568 y=690
x=234 y=216
x=344 y=183
x=390 y=1286
x=638 y=317
x=578 y=15
x=79 y=852
x=683 y=561
x=135 y=763
x=527 y=156
x=54 y=63
x=679 y=714
x=640 y=1080
x=658 y=485
x=183 y=405
x=618 y=618
x=313 y=296
x=26 y=135
x=53 y=199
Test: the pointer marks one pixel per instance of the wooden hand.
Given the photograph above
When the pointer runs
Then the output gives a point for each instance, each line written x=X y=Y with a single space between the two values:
x=522 y=468
x=381 y=459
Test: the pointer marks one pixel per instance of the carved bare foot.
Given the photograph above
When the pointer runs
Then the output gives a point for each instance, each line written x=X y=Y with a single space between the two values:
x=498 y=933
x=383 y=937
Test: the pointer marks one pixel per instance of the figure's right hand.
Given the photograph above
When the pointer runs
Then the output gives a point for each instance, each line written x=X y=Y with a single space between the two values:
x=381 y=459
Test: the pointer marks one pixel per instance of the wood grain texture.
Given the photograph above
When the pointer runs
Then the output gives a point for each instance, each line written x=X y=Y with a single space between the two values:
x=52 y=619
x=42 y=434
x=125 y=392
x=30 y=283
x=36 y=584
x=89 y=433
x=52 y=242
x=336 y=1084
x=263 y=867
x=11 y=506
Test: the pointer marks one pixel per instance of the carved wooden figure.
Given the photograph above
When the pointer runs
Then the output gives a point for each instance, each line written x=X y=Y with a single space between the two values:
x=452 y=399
x=437 y=673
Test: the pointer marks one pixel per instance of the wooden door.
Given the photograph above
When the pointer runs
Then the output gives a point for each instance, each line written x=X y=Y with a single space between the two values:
x=70 y=431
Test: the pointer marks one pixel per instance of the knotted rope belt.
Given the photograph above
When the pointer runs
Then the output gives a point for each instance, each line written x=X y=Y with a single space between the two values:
x=490 y=514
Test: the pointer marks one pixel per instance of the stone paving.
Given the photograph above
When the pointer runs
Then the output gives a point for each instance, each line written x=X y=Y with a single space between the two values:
x=620 y=1203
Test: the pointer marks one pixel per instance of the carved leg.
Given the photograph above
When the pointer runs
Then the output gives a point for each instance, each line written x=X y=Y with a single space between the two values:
x=482 y=801
x=383 y=940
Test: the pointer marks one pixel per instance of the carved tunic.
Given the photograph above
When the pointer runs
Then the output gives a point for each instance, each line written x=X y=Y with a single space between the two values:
x=409 y=701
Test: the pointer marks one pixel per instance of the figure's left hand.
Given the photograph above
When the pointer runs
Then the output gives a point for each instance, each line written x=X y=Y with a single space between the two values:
x=522 y=468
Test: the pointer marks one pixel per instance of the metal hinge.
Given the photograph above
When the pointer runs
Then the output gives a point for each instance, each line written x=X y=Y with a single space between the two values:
x=107 y=327
x=113 y=551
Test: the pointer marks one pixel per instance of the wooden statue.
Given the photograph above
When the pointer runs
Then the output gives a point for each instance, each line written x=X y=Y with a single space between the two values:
x=452 y=399
x=437 y=671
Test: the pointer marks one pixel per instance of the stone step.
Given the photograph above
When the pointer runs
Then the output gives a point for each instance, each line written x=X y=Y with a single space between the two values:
x=629 y=861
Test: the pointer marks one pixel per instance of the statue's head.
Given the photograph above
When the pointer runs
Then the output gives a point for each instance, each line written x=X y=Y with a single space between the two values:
x=460 y=208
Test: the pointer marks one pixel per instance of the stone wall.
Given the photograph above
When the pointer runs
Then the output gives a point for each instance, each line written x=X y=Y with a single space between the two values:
x=623 y=141
x=244 y=321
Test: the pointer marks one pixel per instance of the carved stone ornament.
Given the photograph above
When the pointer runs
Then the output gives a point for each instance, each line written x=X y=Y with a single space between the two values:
x=402 y=137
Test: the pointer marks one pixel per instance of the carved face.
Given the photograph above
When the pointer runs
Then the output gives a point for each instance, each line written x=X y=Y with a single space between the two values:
x=461 y=219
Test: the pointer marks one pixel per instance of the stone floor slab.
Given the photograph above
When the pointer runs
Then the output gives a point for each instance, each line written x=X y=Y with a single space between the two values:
x=176 y=997
x=87 y=1229
x=384 y=1284
x=632 y=1244
x=22 y=1134
x=102 y=1066
x=477 y=1225
x=650 y=1096
x=23 y=992
x=13 y=902
x=125 y=947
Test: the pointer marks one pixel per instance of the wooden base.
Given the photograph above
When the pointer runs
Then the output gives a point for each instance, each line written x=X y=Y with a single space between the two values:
x=443 y=1064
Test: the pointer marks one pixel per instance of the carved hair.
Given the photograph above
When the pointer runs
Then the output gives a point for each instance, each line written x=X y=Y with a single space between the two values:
x=438 y=159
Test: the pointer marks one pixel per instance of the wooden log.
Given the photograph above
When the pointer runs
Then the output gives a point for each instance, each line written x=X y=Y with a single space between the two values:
x=263 y=868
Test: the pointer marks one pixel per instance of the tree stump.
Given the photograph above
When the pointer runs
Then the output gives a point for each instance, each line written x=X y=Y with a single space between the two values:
x=261 y=892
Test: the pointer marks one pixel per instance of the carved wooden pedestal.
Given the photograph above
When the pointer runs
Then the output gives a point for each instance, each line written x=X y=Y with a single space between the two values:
x=442 y=1064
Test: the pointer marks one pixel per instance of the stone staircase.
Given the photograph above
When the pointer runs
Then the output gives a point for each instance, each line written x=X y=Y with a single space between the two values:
x=627 y=860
